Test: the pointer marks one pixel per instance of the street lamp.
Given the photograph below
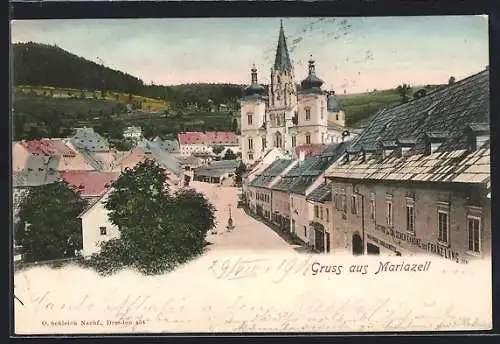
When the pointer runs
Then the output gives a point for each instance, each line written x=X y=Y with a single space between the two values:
x=230 y=225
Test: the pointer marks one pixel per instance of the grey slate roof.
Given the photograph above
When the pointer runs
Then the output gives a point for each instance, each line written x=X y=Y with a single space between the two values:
x=87 y=139
x=321 y=194
x=165 y=159
x=224 y=164
x=449 y=110
x=40 y=170
x=302 y=175
x=168 y=145
x=442 y=116
x=271 y=172
x=205 y=172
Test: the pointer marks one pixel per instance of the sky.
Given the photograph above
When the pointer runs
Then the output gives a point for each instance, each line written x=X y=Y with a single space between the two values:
x=351 y=54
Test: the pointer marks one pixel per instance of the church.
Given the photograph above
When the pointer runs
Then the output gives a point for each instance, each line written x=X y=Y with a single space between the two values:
x=289 y=115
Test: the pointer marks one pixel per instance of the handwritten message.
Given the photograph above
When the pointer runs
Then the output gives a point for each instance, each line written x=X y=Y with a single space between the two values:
x=252 y=293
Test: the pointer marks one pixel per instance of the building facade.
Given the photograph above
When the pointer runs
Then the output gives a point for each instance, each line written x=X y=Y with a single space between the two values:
x=96 y=227
x=417 y=180
x=288 y=116
x=203 y=142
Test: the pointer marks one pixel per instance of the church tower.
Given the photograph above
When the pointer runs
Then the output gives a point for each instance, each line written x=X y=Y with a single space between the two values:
x=282 y=97
x=312 y=120
x=253 y=141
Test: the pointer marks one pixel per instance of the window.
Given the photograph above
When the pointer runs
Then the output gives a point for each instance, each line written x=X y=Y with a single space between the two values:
x=337 y=116
x=250 y=156
x=308 y=113
x=372 y=206
x=250 y=144
x=322 y=112
x=354 y=204
x=264 y=143
x=474 y=233
x=316 y=211
x=443 y=226
x=327 y=214
x=321 y=213
x=305 y=231
x=103 y=230
x=308 y=139
x=388 y=211
x=250 y=119
x=410 y=215
x=293 y=226
x=294 y=141
x=322 y=138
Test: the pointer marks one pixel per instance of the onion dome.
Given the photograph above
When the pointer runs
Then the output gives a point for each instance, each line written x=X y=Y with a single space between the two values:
x=254 y=90
x=311 y=84
x=332 y=104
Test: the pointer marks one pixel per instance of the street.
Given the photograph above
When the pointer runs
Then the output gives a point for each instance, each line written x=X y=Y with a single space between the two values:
x=248 y=233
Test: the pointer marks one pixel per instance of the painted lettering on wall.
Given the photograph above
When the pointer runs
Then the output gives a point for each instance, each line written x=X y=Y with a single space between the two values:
x=427 y=246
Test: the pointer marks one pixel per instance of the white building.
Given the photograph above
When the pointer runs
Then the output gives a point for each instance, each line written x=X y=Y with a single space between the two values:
x=288 y=117
x=203 y=142
x=96 y=227
x=133 y=133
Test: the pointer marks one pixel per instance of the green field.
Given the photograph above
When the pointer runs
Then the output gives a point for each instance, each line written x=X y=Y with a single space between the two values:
x=361 y=107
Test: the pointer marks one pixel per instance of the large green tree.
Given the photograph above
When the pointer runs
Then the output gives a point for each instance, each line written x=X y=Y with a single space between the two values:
x=159 y=229
x=48 y=228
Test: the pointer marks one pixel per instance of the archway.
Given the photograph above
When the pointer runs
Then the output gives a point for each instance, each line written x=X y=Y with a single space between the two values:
x=372 y=249
x=357 y=245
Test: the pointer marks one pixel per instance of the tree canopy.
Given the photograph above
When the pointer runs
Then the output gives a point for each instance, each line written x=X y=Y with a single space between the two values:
x=229 y=155
x=158 y=229
x=48 y=227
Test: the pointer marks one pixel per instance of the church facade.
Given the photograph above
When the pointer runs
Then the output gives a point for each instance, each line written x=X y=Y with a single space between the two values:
x=289 y=115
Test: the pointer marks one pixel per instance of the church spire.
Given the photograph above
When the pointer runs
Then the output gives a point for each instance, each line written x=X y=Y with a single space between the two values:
x=282 y=61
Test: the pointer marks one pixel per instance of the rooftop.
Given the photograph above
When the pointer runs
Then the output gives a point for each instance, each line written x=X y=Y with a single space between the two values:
x=443 y=116
x=310 y=150
x=322 y=194
x=271 y=172
x=89 y=183
x=209 y=138
x=300 y=177
x=48 y=147
x=445 y=113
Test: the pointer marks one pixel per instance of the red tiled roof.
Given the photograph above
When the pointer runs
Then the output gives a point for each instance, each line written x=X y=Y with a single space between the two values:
x=48 y=147
x=209 y=137
x=89 y=183
x=310 y=150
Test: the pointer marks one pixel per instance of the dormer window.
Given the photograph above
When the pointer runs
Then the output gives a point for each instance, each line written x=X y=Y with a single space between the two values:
x=405 y=145
x=434 y=140
x=477 y=135
x=367 y=152
x=388 y=148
